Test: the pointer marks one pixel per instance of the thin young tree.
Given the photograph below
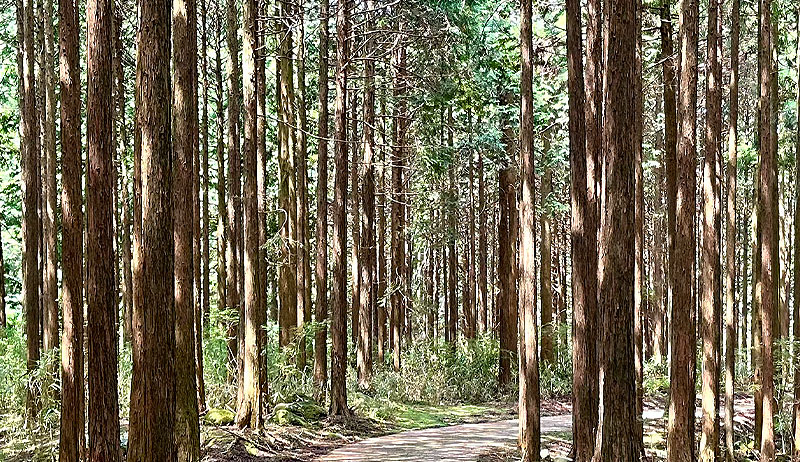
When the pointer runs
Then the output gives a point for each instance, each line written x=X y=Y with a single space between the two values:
x=529 y=357
x=680 y=438
x=339 y=314
x=321 y=269
x=184 y=125
x=709 y=440
x=101 y=290
x=153 y=383
x=72 y=383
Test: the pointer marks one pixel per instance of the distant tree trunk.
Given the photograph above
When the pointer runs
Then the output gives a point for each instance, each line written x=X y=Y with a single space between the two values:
x=71 y=441
x=507 y=273
x=355 y=221
x=249 y=408
x=398 y=244
x=796 y=262
x=222 y=209
x=709 y=440
x=303 y=236
x=546 y=269
x=483 y=301
x=382 y=206
x=49 y=218
x=339 y=315
x=153 y=384
x=639 y=271
x=529 y=357
x=31 y=187
x=768 y=199
x=680 y=439
x=321 y=270
x=755 y=322
x=471 y=313
x=452 y=258
x=367 y=247
x=184 y=126
x=265 y=202
x=287 y=278
x=102 y=365
x=617 y=436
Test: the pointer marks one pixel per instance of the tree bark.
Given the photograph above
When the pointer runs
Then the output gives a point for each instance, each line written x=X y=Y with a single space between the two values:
x=71 y=441
x=222 y=209
x=203 y=309
x=680 y=440
x=249 y=409
x=398 y=245
x=529 y=360
x=339 y=315
x=31 y=187
x=49 y=218
x=507 y=225
x=546 y=268
x=768 y=198
x=101 y=295
x=482 y=282
x=321 y=269
x=303 y=234
x=184 y=126
x=153 y=385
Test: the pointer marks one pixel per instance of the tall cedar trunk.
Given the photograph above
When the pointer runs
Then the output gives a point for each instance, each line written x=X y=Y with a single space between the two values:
x=101 y=294
x=709 y=439
x=303 y=237
x=507 y=273
x=546 y=270
x=203 y=309
x=287 y=279
x=249 y=409
x=639 y=270
x=355 y=199
x=472 y=315
x=668 y=69
x=234 y=208
x=528 y=351
x=31 y=186
x=381 y=257
x=339 y=314
x=71 y=441
x=398 y=245
x=153 y=385
x=796 y=262
x=584 y=249
x=617 y=436
x=321 y=269
x=184 y=124
x=768 y=198
x=680 y=439
x=367 y=217
x=656 y=312
x=49 y=219
x=755 y=323
x=222 y=209
x=264 y=200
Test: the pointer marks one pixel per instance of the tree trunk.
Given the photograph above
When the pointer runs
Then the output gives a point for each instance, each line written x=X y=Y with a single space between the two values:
x=398 y=244
x=71 y=441
x=381 y=257
x=639 y=289
x=222 y=209
x=102 y=365
x=321 y=269
x=546 y=270
x=483 y=305
x=452 y=217
x=680 y=440
x=184 y=126
x=31 y=186
x=234 y=212
x=339 y=315
x=506 y=270
x=203 y=309
x=367 y=247
x=709 y=439
x=49 y=218
x=768 y=199
x=529 y=358
x=303 y=236
x=287 y=279
x=249 y=409
x=153 y=384
x=617 y=436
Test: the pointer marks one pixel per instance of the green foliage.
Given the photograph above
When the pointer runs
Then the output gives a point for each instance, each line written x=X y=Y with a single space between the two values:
x=435 y=372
